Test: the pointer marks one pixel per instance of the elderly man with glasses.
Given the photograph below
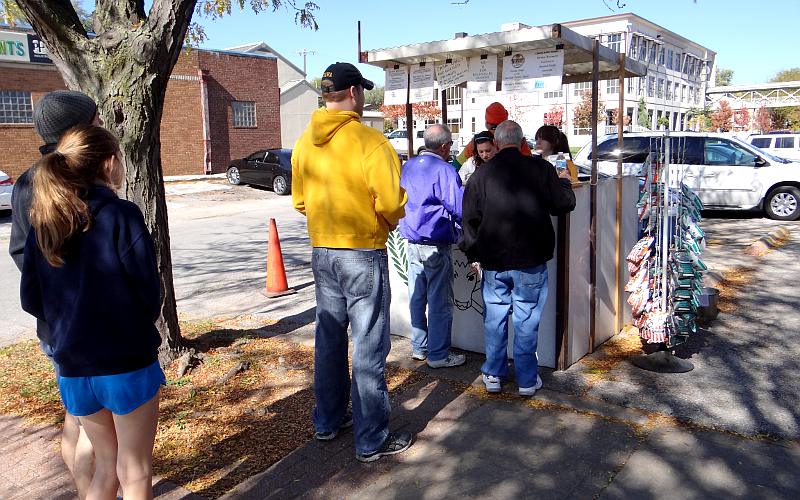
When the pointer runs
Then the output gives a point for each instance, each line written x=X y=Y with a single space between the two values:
x=431 y=225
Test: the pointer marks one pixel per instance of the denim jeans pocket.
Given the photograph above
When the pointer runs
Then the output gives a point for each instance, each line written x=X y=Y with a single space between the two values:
x=356 y=275
x=533 y=277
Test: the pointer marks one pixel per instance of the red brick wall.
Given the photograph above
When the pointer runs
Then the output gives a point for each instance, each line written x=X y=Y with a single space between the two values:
x=240 y=78
x=20 y=143
x=228 y=78
x=182 y=120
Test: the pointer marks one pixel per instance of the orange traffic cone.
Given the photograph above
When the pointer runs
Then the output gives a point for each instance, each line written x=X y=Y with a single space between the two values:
x=276 y=273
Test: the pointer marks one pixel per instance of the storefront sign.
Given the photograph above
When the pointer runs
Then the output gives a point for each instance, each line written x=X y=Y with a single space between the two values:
x=482 y=76
x=422 y=83
x=450 y=74
x=21 y=47
x=533 y=70
x=396 y=85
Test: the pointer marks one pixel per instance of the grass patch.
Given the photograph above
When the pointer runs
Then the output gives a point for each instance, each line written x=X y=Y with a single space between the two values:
x=211 y=436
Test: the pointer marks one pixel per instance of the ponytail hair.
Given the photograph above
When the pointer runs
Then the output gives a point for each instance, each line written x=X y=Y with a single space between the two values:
x=61 y=184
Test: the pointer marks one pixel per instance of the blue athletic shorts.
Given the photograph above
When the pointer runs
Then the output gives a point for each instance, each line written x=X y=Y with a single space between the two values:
x=120 y=394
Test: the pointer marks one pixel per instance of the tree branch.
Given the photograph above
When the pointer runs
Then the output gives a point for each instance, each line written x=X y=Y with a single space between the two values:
x=109 y=14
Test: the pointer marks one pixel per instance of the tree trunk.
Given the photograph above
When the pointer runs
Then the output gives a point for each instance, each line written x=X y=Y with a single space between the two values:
x=125 y=69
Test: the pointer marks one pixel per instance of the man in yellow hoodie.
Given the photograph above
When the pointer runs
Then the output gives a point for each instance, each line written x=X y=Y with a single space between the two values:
x=346 y=181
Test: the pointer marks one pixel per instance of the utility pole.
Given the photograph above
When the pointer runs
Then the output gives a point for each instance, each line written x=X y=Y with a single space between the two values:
x=304 y=53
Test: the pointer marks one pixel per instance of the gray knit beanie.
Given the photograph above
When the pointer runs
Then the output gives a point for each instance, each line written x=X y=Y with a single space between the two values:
x=60 y=110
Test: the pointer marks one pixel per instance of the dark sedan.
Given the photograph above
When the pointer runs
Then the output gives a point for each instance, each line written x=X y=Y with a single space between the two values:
x=271 y=168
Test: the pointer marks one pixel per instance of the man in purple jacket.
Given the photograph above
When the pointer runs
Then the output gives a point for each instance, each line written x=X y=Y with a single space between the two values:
x=431 y=226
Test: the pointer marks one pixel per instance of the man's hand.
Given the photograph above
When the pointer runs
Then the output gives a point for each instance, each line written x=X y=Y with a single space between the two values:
x=564 y=174
x=475 y=266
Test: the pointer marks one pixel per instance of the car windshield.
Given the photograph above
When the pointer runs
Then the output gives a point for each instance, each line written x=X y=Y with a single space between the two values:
x=760 y=151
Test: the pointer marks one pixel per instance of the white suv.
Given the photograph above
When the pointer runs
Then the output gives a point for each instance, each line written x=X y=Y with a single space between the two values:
x=786 y=145
x=726 y=173
x=399 y=141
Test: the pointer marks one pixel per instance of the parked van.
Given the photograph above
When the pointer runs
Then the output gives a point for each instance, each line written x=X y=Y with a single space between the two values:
x=399 y=141
x=783 y=144
x=725 y=172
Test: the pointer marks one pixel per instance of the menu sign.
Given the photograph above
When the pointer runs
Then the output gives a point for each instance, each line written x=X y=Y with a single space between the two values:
x=482 y=76
x=450 y=74
x=422 y=83
x=533 y=70
x=395 y=86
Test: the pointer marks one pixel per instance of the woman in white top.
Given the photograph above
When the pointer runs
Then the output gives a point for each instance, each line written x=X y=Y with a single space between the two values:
x=484 y=151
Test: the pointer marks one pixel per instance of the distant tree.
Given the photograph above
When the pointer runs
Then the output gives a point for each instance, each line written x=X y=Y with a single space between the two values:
x=374 y=96
x=724 y=77
x=787 y=117
x=626 y=120
x=742 y=118
x=555 y=116
x=763 y=120
x=786 y=75
x=722 y=118
x=424 y=110
x=583 y=111
x=663 y=122
x=642 y=115
x=700 y=119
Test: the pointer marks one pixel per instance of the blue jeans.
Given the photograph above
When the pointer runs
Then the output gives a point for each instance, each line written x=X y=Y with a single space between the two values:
x=430 y=283
x=352 y=287
x=526 y=291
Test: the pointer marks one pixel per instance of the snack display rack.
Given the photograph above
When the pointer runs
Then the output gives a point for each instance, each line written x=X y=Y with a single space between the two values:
x=666 y=270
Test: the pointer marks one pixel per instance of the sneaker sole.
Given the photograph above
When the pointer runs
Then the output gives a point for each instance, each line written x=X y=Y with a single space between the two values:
x=377 y=456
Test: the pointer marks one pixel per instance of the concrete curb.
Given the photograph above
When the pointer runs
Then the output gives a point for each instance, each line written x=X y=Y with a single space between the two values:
x=774 y=239
x=190 y=178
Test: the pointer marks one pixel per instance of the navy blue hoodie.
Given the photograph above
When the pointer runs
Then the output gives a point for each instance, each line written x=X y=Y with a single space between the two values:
x=101 y=305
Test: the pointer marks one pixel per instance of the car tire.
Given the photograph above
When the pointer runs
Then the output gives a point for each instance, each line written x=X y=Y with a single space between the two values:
x=233 y=176
x=280 y=186
x=783 y=203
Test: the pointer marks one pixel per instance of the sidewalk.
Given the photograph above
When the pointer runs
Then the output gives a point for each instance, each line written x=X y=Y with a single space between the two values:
x=728 y=429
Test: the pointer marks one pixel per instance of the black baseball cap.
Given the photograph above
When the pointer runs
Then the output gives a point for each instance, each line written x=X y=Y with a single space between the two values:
x=483 y=137
x=342 y=76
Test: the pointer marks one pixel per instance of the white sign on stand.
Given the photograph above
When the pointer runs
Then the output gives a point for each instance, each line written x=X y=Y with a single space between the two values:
x=533 y=70
x=482 y=76
x=422 y=83
x=450 y=74
x=396 y=86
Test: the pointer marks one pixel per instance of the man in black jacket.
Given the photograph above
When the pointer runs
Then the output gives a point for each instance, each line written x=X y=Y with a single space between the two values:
x=507 y=230
x=54 y=114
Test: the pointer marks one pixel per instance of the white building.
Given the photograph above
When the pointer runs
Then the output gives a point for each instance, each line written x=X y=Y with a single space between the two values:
x=298 y=97
x=679 y=72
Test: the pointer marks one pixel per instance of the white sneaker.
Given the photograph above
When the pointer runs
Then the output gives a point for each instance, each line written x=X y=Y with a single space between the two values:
x=492 y=383
x=448 y=362
x=530 y=391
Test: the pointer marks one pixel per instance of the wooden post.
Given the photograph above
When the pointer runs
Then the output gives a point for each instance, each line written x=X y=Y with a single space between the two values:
x=409 y=118
x=444 y=107
x=593 y=205
x=621 y=114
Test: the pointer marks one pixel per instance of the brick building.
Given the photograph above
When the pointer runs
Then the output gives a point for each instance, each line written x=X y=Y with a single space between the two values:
x=239 y=93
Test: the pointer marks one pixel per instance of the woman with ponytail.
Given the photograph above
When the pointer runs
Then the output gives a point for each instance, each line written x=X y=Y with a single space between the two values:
x=89 y=271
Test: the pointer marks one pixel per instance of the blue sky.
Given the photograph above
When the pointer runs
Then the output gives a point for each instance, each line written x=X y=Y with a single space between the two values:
x=755 y=39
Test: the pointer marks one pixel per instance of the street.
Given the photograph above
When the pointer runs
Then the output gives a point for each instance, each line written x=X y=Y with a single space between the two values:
x=218 y=236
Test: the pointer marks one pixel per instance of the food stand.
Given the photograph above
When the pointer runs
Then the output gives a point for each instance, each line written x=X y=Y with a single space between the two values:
x=585 y=305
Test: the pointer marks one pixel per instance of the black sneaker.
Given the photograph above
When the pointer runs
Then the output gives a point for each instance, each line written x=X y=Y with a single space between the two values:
x=395 y=443
x=347 y=422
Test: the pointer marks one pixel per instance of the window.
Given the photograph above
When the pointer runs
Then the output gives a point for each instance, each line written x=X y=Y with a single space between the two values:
x=683 y=93
x=556 y=94
x=582 y=87
x=453 y=95
x=454 y=124
x=722 y=152
x=642 y=83
x=686 y=150
x=784 y=142
x=612 y=86
x=272 y=158
x=429 y=121
x=634 y=45
x=676 y=89
x=244 y=114
x=669 y=91
x=652 y=54
x=660 y=89
x=651 y=86
x=761 y=142
x=15 y=107
x=634 y=149
x=661 y=55
x=690 y=95
x=632 y=86
x=473 y=125
x=257 y=156
x=642 y=49
x=614 y=42
x=670 y=58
